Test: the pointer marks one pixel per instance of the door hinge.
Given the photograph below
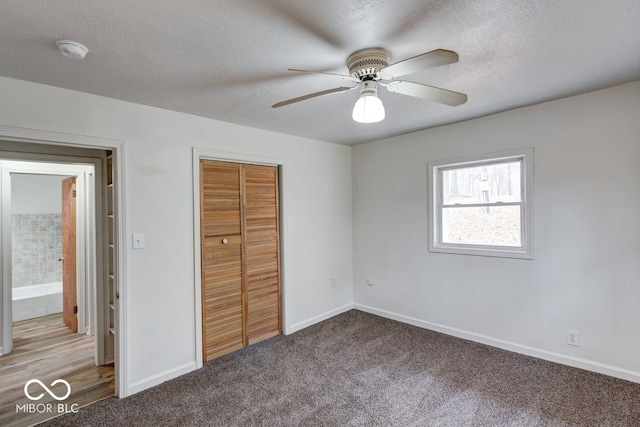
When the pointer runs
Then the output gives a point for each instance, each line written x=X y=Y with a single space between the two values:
x=75 y=309
x=74 y=193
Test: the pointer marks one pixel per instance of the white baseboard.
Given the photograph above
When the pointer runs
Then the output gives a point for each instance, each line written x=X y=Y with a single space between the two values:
x=563 y=359
x=169 y=374
x=316 y=319
x=154 y=380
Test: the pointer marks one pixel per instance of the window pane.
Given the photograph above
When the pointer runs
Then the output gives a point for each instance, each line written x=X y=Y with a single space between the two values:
x=498 y=182
x=495 y=225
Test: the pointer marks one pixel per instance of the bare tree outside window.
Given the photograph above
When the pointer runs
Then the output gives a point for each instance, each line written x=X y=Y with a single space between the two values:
x=478 y=205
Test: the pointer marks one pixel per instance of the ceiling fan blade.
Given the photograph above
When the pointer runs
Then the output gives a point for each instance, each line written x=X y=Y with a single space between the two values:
x=430 y=93
x=431 y=59
x=312 y=95
x=344 y=76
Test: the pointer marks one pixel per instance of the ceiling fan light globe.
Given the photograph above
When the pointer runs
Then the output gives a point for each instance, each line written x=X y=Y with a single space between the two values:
x=368 y=109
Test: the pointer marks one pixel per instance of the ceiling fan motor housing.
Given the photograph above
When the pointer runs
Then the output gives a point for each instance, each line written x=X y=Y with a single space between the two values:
x=365 y=64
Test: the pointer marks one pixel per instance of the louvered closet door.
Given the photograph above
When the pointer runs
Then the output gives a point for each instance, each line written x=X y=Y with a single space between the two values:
x=240 y=255
x=262 y=261
x=221 y=239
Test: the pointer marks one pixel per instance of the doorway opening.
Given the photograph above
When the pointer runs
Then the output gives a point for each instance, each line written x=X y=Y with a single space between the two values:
x=84 y=352
x=52 y=230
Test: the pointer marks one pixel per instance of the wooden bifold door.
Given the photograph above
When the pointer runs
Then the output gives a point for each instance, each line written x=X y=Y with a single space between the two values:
x=68 y=259
x=240 y=247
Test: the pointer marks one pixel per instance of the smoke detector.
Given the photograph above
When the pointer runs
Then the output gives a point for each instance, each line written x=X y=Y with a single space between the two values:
x=72 y=49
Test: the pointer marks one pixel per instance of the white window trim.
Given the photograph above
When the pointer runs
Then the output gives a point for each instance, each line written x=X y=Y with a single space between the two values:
x=435 y=206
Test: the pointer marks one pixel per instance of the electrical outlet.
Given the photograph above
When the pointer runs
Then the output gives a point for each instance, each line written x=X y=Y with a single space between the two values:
x=370 y=282
x=573 y=338
x=334 y=282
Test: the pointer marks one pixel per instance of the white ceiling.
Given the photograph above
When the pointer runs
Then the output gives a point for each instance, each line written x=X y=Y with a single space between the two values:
x=228 y=59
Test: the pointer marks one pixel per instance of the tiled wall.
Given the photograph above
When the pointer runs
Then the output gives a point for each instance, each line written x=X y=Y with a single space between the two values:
x=37 y=245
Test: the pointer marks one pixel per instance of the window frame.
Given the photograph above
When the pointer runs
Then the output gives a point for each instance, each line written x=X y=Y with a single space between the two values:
x=436 y=204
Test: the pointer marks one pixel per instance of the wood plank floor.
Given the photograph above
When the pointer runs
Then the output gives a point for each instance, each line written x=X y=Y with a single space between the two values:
x=45 y=349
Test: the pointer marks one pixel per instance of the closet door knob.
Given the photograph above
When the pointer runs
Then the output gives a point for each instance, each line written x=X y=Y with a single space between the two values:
x=225 y=241
x=61 y=259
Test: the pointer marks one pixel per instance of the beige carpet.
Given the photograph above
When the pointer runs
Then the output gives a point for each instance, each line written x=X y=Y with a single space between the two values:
x=357 y=369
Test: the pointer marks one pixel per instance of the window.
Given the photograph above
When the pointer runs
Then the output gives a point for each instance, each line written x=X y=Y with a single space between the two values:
x=482 y=205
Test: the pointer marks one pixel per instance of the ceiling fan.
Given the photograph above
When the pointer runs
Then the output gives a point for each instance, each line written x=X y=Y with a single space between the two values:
x=370 y=68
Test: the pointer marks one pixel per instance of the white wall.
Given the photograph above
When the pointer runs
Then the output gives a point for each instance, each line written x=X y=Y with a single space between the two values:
x=36 y=194
x=585 y=275
x=160 y=329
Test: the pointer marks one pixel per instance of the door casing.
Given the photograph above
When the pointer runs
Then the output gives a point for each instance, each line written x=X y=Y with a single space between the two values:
x=49 y=146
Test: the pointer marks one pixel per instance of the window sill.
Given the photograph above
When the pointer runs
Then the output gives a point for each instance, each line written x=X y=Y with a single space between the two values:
x=486 y=251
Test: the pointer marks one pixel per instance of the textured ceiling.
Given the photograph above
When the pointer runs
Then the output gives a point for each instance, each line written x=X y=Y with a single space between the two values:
x=228 y=59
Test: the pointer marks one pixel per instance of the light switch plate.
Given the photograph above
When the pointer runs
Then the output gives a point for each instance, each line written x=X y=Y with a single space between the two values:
x=138 y=240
